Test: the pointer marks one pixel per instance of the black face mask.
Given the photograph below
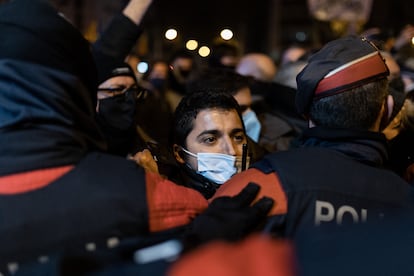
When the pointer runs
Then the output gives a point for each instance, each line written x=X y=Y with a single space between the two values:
x=118 y=111
x=159 y=84
x=397 y=84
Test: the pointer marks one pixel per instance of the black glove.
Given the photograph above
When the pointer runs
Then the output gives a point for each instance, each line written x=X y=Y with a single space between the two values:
x=229 y=218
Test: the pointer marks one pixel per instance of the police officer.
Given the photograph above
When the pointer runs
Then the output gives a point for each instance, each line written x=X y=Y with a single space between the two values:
x=335 y=176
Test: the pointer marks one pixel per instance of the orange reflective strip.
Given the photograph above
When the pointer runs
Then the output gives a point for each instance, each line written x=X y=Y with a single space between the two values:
x=269 y=183
x=29 y=181
x=169 y=204
x=255 y=255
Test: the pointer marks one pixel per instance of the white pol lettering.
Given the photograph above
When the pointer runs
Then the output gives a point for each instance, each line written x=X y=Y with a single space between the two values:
x=325 y=212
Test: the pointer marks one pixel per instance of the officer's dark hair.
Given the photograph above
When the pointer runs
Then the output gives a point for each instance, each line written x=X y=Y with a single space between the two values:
x=191 y=105
x=357 y=108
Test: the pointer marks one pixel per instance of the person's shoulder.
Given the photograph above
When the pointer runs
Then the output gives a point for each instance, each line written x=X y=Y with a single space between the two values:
x=169 y=204
x=269 y=183
x=107 y=164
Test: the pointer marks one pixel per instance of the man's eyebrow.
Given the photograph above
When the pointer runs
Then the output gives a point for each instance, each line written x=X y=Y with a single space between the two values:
x=209 y=131
x=236 y=130
x=216 y=132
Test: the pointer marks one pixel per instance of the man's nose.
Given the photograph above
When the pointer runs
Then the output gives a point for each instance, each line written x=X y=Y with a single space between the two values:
x=229 y=147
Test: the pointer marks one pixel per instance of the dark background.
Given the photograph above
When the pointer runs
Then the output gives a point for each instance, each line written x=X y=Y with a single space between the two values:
x=265 y=25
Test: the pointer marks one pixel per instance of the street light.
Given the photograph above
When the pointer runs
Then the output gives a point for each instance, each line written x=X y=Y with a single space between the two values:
x=204 y=51
x=226 y=34
x=171 y=34
x=191 y=44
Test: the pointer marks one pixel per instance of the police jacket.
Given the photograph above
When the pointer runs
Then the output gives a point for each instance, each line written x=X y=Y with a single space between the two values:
x=335 y=177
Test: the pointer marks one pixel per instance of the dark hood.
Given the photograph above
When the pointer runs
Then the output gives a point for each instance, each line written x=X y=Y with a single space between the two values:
x=47 y=89
x=46 y=118
x=33 y=31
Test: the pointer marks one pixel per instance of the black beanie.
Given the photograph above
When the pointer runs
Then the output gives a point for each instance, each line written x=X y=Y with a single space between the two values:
x=339 y=66
x=109 y=66
x=33 y=31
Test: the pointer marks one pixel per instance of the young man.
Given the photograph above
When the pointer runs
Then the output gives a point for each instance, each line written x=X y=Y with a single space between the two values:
x=335 y=176
x=224 y=80
x=207 y=140
x=267 y=131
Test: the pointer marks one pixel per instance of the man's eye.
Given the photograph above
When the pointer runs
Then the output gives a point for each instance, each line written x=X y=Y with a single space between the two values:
x=239 y=137
x=209 y=140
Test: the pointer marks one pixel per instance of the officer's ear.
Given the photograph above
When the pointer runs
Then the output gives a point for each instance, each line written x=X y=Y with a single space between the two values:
x=386 y=112
x=178 y=154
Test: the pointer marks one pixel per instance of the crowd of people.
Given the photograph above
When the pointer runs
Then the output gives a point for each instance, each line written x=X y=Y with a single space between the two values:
x=244 y=167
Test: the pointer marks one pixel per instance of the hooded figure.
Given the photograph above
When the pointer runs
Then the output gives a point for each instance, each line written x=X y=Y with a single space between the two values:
x=48 y=85
x=57 y=190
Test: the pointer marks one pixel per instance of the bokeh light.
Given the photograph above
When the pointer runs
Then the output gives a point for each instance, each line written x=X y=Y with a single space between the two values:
x=204 y=51
x=142 y=67
x=171 y=34
x=191 y=44
x=226 y=34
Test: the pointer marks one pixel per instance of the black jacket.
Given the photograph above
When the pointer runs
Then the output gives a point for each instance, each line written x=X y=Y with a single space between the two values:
x=103 y=197
x=336 y=177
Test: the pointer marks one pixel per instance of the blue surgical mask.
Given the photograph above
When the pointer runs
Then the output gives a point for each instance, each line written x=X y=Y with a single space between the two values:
x=252 y=125
x=217 y=167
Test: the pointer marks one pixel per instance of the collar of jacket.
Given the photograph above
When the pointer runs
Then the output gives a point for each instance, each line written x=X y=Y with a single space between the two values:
x=365 y=146
x=190 y=178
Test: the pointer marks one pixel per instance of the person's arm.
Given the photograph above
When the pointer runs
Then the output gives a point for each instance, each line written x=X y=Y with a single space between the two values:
x=136 y=9
x=171 y=205
x=270 y=186
x=123 y=31
x=229 y=218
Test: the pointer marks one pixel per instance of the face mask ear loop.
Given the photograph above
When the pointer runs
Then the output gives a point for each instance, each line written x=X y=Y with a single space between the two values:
x=188 y=152
x=244 y=157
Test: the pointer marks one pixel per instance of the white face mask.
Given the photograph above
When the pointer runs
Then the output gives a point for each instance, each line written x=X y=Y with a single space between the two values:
x=252 y=125
x=217 y=167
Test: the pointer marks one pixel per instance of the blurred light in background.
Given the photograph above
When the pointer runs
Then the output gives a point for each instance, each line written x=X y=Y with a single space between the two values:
x=301 y=36
x=226 y=34
x=191 y=44
x=171 y=34
x=142 y=67
x=204 y=51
